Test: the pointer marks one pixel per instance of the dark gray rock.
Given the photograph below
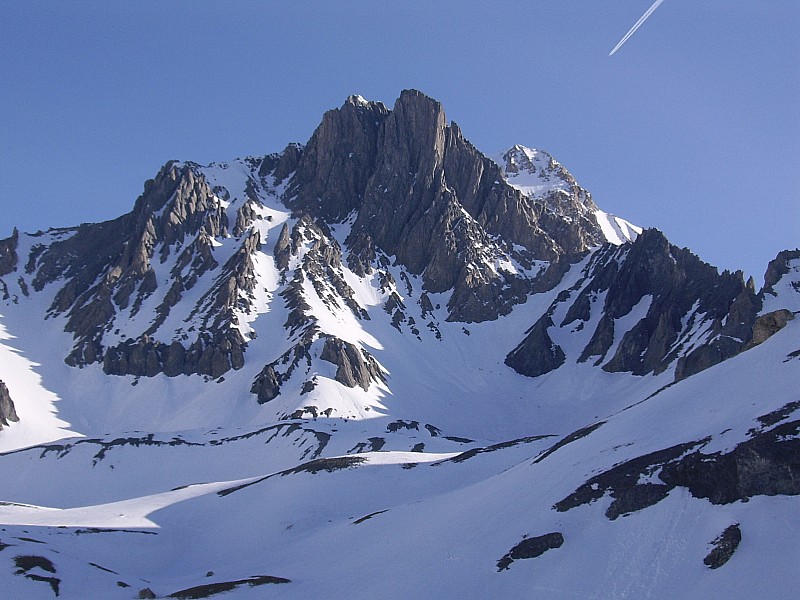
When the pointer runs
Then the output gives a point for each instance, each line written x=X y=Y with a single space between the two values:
x=531 y=547
x=212 y=589
x=767 y=464
x=777 y=268
x=568 y=439
x=724 y=546
x=267 y=385
x=425 y=195
x=31 y=567
x=244 y=218
x=282 y=250
x=680 y=291
x=337 y=161
x=636 y=497
x=107 y=267
x=624 y=483
x=288 y=162
x=8 y=254
x=7 y=411
x=537 y=354
x=355 y=367
x=103 y=264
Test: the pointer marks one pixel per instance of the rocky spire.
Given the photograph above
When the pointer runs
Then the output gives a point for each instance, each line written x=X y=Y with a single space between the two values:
x=337 y=161
x=7 y=411
x=8 y=253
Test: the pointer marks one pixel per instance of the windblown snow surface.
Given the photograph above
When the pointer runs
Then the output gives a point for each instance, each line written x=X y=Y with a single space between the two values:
x=416 y=488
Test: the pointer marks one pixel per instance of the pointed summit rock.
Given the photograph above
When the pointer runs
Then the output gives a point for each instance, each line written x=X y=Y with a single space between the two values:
x=338 y=160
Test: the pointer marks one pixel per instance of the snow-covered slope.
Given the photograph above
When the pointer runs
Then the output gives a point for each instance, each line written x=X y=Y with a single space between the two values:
x=379 y=365
x=453 y=521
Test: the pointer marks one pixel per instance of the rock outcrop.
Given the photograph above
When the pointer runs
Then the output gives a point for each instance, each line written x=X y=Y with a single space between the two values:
x=769 y=324
x=777 y=268
x=531 y=547
x=355 y=367
x=537 y=354
x=723 y=547
x=766 y=464
x=110 y=271
x=8 y=413
x=655 y=306
x=8 y=253
x=319 y=272
x=173 y=287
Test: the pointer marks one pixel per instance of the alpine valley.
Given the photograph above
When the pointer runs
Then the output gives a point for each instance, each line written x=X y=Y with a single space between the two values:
x=384 y=365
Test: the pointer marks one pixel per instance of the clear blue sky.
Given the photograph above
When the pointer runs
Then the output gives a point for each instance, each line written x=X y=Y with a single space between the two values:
x=692 y=127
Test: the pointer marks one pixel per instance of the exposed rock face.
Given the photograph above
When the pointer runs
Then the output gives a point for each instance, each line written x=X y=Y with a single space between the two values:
x=110 y=273
x=425 y=195
x=769 y=324
x=531 y=547
x=8 y=254
x=777 y=268
x=682 y=312
x=319 y=266
x=7 y=411
x=267 y=386
x=355 y=367
x=335 y=165
x=767 y=464
x=569 y=208
x=724 y=547
x=8 y=261
x=623 y=483
x=537 y=354
x=381 y=191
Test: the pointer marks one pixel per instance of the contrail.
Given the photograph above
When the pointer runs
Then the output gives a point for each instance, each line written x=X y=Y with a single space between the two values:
x=636 y=26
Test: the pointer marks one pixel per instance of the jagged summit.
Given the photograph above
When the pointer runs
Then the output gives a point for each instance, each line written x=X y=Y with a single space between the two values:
x=359 y=100
x=180 y=284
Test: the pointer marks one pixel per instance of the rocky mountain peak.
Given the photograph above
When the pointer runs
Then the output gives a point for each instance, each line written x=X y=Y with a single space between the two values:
x=337 y=162
x=520 y=159
x=538 y=175
x=173 y=286
x=415 y=135
x=787 y=261
x=358 y=100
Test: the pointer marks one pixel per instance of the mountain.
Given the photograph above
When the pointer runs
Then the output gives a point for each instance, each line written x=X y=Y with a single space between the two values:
x=383 y=364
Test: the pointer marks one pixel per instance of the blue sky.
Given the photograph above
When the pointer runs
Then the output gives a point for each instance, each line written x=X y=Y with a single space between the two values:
x=692 y=127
